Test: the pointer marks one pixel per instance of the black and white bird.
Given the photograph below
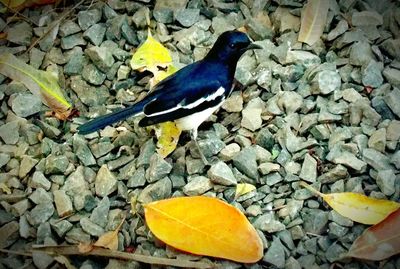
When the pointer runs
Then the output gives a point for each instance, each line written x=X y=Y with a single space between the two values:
x=190 y=95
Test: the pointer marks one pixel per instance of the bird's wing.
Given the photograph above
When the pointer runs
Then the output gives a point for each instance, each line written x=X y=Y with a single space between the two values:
x=180 y=98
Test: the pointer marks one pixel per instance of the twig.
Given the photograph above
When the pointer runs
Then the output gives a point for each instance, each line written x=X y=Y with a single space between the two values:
x=73 y=250
x=50 y=28
x=12 y=197
x=15 y=252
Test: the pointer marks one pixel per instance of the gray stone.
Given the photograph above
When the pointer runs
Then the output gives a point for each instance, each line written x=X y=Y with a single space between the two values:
x=233 y=103
x=376 y=159
x=61 y=227
x=221 y=24
x=372 y=74
x=251 y=118
x=99 y=214
x=95 y=33
x=366 y=18
x=36 y=57
x=82 y=151
x=157 y=191
x=75 y=64
x=71 y=41
x=89 y=95
x=56 y=164
x=87 y=18
x=76 y=236
x=90 y=227
x=334 y=252
x=40 y=181
x=333 y=175
x=8 y=234
x=326 y=82
x=197 y=186
x=275 y=254
x=305 y=58
x=211 y=146
x=392 y=100
x=315 y=220
x=273 y=178
x=378 y=140
x=246 y=162
x=194 y=166
x=63 y=203
x=346 y=158
x=146 y=151
x=187 y=17
x=228 y=152
x=40 y=213
x=392 y=47
x=105 y=182
x=309 y=169
x=361 y=54
x=93 y=75
x=395 y=160
x=340 y=28
x=221 y=173
x=68 y=28
x=159 y=168
x=129 y=34
x=386 y=181
x=27 y=163
x=101 y=57
x=393 y=131
x=267 y=223
x=47 y=41
x=9 y=132
x=138 y=178
x=41 y=196
x=4 y=158
x=20 y=34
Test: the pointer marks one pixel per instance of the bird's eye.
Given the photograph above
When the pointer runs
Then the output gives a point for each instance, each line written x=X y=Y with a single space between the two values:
x=232 y=45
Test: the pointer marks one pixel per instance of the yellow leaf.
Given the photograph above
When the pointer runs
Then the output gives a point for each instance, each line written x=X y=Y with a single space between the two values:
x=204 y=226
x=150 y=55
x=313 y=19
x=357 y=207
x=243 y=188
x=39 y=82
x=109 y=239
x=162 y=74
x=168 y=136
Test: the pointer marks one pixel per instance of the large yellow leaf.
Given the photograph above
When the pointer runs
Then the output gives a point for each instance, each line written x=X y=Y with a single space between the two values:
x=204 y=226
x=313 y=19
x=41 y=83
x=150 y=56
x=358 y=207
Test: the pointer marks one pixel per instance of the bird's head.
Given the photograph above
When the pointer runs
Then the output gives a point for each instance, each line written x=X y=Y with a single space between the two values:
x=230 y=46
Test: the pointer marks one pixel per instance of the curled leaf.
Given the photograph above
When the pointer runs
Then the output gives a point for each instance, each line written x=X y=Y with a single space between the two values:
x=168 y=136
x=357 y=207
x=380 y=241
x=150 y=56
x=243 y=188
x=313 y=19
x=42 y=83
x=109 y=239
x=204 y=226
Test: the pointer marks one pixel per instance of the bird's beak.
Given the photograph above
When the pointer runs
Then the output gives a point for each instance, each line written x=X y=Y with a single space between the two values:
x=253 y=46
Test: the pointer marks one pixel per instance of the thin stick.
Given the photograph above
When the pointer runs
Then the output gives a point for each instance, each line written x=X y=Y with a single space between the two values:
x=54 y=25
x=73 y=250
x=19 y=253
x=311 y=189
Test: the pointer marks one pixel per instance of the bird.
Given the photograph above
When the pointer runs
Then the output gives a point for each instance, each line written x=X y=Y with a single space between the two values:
x=189 y=96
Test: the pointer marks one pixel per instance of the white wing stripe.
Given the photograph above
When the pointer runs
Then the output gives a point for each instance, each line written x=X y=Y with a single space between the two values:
x=198 y=102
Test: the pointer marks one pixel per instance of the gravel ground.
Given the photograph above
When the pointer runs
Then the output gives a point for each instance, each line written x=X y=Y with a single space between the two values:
x=327 y=114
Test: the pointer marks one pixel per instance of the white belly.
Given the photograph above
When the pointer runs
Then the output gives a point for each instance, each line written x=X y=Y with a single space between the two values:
x=193 y=121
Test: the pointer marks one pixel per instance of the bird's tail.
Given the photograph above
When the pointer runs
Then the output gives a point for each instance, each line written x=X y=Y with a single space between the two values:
x=103 y=121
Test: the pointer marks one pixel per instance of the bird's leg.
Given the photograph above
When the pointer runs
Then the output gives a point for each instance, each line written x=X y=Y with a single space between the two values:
x=194 y=138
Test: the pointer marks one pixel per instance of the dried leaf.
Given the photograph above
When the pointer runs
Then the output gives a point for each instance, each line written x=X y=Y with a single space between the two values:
x=109 y=239
x=39 y=82
x=168 y=136
x=243 y=188
x=204 y=226
x=313 y=20
x=358 y=207
x=150 y=56
x=380 y=241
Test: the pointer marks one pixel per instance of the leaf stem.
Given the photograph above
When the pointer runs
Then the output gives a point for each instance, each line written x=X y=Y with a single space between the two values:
x=311 y=189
